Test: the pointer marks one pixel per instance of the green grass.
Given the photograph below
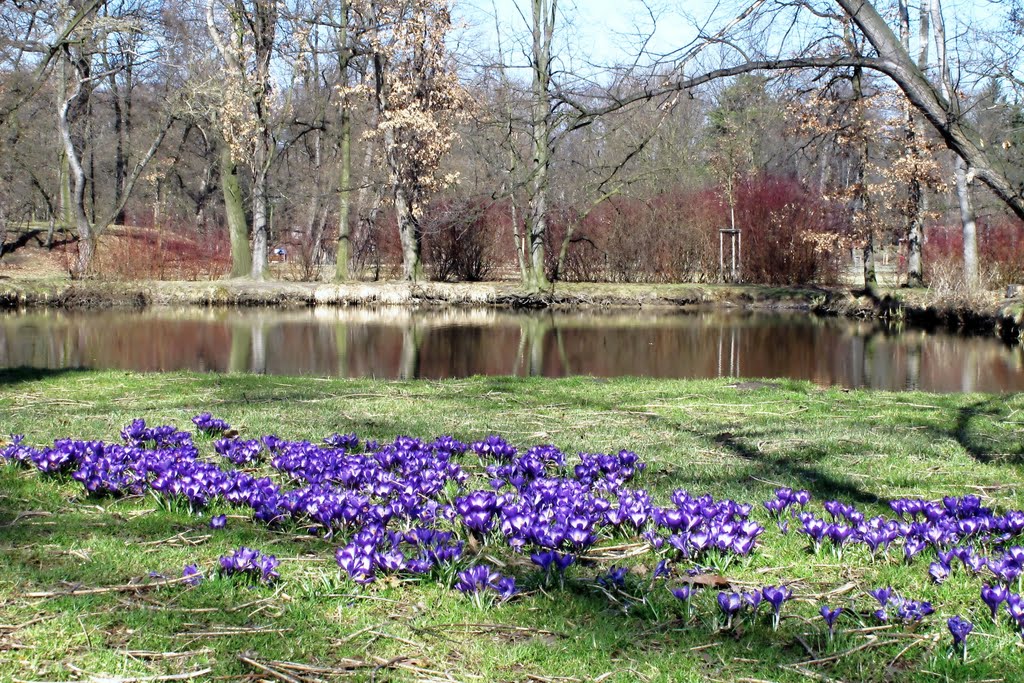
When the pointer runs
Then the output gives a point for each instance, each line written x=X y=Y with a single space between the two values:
x=860 y=447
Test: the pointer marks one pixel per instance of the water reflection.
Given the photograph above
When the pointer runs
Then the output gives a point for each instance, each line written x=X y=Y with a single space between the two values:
x=404 y=343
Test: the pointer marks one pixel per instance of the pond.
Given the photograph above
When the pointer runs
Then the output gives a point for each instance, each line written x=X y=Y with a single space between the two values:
x=405 y=343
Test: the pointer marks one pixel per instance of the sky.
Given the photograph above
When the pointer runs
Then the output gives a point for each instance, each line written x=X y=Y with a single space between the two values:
x=595 y=32
x=592 y=31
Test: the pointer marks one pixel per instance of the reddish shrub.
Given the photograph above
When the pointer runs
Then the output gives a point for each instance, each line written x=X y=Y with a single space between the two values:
x=789 y=236
x=182 y=254
x=1000 y=249
x=462 y=238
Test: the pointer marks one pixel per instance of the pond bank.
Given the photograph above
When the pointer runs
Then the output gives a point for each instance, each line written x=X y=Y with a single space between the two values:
x=993 y=317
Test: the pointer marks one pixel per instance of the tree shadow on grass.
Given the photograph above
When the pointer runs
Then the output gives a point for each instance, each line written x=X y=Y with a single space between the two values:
x=973 y=442
x=10 y=377
x=821 y=484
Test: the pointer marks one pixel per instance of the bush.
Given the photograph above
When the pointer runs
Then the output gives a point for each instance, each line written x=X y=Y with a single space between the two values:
x=790 y=236
x=1000 y=251
x=181 y=253
x=460 y=239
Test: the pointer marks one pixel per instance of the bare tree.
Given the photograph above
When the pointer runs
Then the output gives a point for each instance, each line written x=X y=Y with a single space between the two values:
x=247 y=109
x=79 y=79
x=942 y=112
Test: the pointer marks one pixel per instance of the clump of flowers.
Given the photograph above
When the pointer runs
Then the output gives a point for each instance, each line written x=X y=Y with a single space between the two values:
x=903 y=609
x=409 y=506
x=240 y=451
x=252 y=564
x=480 y=578
x=208 y=424
x=348 y=442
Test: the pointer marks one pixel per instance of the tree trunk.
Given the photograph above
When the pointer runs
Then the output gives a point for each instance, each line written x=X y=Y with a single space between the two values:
x=915 y=268
x=86 y=238
x=120 y=146
x=538 y=225
x=67 y=216
x=862 y=199
x=409 y=235
x=970 y=229
x=870 y=276
x=405 y=209
x=563 y=250
x=260 y=216
x=912 y=142
x=3 y=229
x=238 y=231
x=960 y=172
x=344 y=250
x=519 y=240
x=541 y=128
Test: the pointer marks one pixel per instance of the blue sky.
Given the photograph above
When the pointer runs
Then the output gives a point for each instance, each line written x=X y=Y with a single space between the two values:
x=594 y=31
x=609 y=31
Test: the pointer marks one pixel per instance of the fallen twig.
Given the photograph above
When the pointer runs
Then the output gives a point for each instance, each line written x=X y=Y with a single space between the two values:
x=279 y=675
x=98 y=678
x=123 y=588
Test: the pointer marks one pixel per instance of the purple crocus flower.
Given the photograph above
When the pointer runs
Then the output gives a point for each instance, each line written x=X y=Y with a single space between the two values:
x=830 y=616
x=684 y=592
x=544 y=559
x=938 y=571
x=993 y=596
x=563 y=560
x=775 y=596
x=912 y=547
x=730 y=604
x=959 y=628
x=218 y=522
x=882 y=595
x=663 y=570
x=752 y=598
x=616 y=576
x=192 y=575
x=476 y=579
x=1015 y=608
x=506 y=588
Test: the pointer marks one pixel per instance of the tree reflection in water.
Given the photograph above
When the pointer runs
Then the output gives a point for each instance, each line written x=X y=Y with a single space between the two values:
x=396 y=342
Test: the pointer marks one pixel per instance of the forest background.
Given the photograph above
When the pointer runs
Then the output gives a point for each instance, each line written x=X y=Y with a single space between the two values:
x=376 y=139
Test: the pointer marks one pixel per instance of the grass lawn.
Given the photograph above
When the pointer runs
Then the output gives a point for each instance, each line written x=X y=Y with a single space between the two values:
x=863 y=448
